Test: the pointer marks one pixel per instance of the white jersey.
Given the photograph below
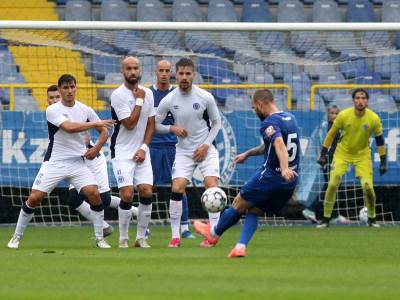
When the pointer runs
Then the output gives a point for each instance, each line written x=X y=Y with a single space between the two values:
x=125 y=142
x=191 y=111
x=64 y=145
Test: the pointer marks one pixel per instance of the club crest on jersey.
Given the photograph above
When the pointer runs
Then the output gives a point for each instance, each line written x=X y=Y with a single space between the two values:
x=196 y=106
x=366 y=126
x=270 y=131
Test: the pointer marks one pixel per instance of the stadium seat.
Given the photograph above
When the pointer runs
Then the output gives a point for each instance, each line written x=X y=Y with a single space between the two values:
x=301 y=41
x=267 y=41
x=11 y=78
x=129 y=41
x=370 y=78
x=256 y=11
x=25 y=103
x=355 y=65
x=342 y=101
x=265 y=77
x=304 y=104
x=387 y=65
x=395 y=79
x=221 y=11
x=186 y=11
x=345 y=38
x=212 y=67
x=150 y=11
x=238 y=102
x=148 y=63
x=227 y=77
x=102 y=65
x=326 y=11
x=86 y=39
x=7 y=63
x=114 y=10
x=382 y=103
x=78 y=10
x=279 y=70
x=391 y=11
x=300 y=83
x=360 y=11
x=333 y=78
x=291 y=11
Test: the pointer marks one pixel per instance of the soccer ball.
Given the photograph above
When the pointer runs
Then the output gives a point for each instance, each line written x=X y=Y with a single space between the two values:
x=363 y=215
x=214 y=199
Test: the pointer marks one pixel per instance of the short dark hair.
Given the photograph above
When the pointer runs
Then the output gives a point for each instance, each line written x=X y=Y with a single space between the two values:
x=52 y=88
x=66 y=78
x=358 y=90
x=184 y=62
x=263 y=95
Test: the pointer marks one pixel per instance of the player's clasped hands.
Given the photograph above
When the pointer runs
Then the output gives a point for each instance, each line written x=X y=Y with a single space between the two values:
x=288 y=174
x=179 y=131
x=200 y=153
x=139 y=156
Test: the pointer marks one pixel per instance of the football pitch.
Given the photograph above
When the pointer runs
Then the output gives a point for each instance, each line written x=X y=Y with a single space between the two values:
x=281 y=263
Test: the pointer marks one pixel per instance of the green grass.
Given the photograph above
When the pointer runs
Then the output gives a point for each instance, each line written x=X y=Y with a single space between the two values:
x=282 y=263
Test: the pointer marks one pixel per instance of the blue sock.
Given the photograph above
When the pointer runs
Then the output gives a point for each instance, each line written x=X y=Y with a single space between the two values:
x=249 y=227
x=228 y=218
x=185 y=211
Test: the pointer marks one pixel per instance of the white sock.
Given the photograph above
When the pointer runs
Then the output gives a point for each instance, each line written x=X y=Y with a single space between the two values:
x=143 y=220
x=115 y=202
x=124 y=217
x=85 y=211
x=213 y=218
x=184 y=227
x=175 y=214
x=98 y=218
x=135 y=211
x=23 y=221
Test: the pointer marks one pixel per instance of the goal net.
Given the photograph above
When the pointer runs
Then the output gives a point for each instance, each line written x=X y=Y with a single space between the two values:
x=307 y=71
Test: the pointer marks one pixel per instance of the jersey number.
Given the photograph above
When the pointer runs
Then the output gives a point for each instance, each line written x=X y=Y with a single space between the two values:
x=291 y=146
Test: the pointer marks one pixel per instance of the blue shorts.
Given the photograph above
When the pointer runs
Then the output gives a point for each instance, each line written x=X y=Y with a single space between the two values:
x=266 y=193
x=162 y=159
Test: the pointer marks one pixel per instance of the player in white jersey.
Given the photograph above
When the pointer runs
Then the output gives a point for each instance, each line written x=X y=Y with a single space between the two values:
x=132 y=107
x=192 y=109
x=98 y=166
x=66 y=152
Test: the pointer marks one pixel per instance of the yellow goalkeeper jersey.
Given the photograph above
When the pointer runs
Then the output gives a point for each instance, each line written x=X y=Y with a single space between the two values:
x=356 y=131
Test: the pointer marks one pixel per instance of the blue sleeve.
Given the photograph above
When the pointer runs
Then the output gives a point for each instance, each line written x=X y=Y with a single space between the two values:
x=270 y=131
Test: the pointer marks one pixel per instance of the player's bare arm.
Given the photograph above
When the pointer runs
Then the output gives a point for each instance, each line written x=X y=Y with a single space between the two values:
x=74 y=127
x=330 y=136
x=140 y=154
x=131 y=122
x=241 y=158
x=91 y=153
x=282 y=154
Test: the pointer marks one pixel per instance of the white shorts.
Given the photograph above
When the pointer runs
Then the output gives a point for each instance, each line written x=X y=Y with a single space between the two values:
x=184 y=165
x=98 y=167
x=128 y=172
x=73 y=170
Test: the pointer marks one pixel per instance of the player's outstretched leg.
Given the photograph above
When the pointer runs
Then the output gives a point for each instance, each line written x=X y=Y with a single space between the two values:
x=77 y=202
x=185 y=232
x=248 y=230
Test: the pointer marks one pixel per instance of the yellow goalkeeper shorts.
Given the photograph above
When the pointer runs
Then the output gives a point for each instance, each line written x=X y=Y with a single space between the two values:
x=362 y=165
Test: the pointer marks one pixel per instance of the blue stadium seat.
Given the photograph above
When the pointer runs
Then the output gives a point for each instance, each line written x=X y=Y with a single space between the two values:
x=300 y=83
x=201 y=42
x=89 y=40
x=342 y=101
x=148 y=63
x=355 y=67
x=395 y=79
x=238 y=102
x=151 y=11
x=186 y=11
x=332 y=78
x=291 y=11
x=129 y=41
x=370 y=78
x=256 y=11
x=360 y=11
x=326 y=11
x=102 y=65
x=387 y=65
x=78 y=10
x=226 y=77
x=25 y=103
x=391 y=11
x=212 y=67
x=382 y=103
x=301 y=41
x=11 y=78
x=7 y=63
x=270 y=40
x=280 y=70
x=114 y=10
x=265 y=77
x=304 y=105
x=319 y=62
x=345 y=38
x=221 y=11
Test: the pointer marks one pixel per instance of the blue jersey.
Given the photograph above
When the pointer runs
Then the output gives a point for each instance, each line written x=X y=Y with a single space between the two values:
x=163 y=139
x=280 y=124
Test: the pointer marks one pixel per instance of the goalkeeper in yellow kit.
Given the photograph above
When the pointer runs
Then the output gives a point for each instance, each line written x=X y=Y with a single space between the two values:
x=356 y=124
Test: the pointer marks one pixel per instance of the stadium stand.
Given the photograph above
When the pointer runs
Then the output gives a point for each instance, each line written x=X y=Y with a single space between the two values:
x=114 y=10
x=360 y=11
x=78 y=10
x=326 y=11
x=256 y=11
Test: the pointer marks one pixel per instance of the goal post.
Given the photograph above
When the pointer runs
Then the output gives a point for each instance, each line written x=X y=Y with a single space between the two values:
x=294 y=60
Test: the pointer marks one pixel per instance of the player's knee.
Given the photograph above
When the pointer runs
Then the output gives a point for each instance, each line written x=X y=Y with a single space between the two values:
x=126 y=195
x=145 y=191
x=176 y=196
x=74 y=199
x=92 y=194
x=106 y=198
x=35 y=198
x=240 y=204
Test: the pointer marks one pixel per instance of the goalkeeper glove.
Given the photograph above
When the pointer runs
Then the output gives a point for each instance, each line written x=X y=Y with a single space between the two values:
x=323 y=159
x=383 y=165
